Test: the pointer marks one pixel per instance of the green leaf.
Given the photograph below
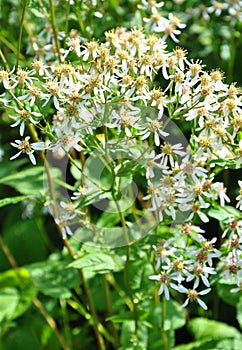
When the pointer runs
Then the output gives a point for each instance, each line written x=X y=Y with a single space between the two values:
x=205 y=328
x=28 y=181
x=128 y=339
x=175 y=316
x=53 y=278
x=25 y=289
x=224 y=291
x=12 y=200
x=7 y=167
x=223 y=213
x=9 y=298
x=97 y=262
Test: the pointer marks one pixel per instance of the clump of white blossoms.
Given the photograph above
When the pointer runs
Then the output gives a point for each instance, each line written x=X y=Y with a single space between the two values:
x=124 y=93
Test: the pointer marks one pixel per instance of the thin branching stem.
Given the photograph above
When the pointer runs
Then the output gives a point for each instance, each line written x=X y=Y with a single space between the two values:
x=54 y=29
x=25 y=5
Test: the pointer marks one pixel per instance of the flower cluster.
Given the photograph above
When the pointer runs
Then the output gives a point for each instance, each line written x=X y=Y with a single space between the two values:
x=127 y=96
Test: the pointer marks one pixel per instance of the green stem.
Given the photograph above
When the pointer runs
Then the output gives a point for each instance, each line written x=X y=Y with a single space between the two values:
x=126 y=268
x=21 y=31
x=67 y=20
x=163 y=317
x=66 y=323
x=108 y=300
x=96 y=325
x=101 y=344
x=53 y=25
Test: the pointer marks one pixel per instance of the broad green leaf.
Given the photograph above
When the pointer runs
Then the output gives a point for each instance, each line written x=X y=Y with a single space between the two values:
x=12 y=200
x=223 y=213
x=224 y=291
x=12 y=279
x=26 y=295
x=53 y=278
x=9 y=299
x=127 y=335
x=7 y=167
x=97 y=263
x=25 y=289
x=175 y=316
x=207 y=344
x=28 y=181
x=205 y=328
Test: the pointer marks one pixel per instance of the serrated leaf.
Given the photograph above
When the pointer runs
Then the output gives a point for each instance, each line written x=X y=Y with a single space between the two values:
x=53 y=278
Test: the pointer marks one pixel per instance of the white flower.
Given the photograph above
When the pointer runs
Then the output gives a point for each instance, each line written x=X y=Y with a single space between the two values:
x=153 y=126
x=193 y=295
x=25 y=147
x=22 y=118
x=164 y=279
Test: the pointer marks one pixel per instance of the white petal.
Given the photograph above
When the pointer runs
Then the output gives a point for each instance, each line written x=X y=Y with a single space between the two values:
x=154 y=277
x=202 y=304
x=206 y=291
x=185 y=303
x=15 y=156
x=32 y=158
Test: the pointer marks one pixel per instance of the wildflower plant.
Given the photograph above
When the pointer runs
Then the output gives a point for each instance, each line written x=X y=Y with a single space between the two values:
x=131 y=138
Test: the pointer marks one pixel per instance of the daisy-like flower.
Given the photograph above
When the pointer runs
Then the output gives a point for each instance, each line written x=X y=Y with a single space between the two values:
x=126 y=117
x=90 y=49
x=22 y=118
x=208 y=252
x=171 y=27
x=25 y=147
x=165 y=283
x=170 y=152
x=200 y=271
x=81 y=192
x=163 y=251
x=217 y=7
x=221 y=192
x=232 y=269
x=193 y=295
x=234 y=227
x=53 y=89
x=153 y=126
x=7 y=80
x=150 y=5
x=67 y=142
